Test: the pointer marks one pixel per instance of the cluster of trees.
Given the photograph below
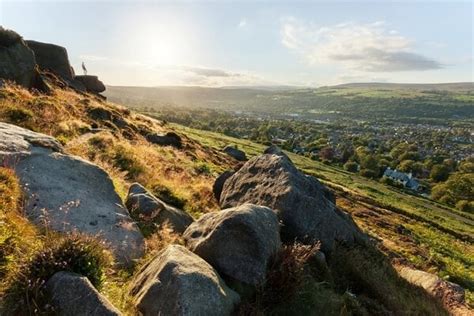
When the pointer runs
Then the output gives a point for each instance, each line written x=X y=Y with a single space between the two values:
x=358 y=148
x=457 y=188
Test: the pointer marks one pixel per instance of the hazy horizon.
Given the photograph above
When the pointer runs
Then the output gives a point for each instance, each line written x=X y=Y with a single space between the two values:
x=219 y=44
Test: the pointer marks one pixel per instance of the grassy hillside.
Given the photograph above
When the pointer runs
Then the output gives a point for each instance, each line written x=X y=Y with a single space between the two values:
x=423 y=232
x=357 y=281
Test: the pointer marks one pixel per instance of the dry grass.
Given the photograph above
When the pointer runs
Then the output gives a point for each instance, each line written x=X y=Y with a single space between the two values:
x=185 y=178
x=187 y=174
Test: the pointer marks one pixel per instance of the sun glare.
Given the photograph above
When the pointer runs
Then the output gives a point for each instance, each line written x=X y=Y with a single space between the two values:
x=161 y=41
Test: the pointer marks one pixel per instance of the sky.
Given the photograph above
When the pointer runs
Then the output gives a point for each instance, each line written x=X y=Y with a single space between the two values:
x=249 y=43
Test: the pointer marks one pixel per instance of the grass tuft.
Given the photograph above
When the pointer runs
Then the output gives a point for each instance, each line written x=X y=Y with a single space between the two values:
x=73 y=253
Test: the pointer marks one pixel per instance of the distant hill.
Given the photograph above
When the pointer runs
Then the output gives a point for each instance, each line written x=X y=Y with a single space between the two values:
x=362 y=100
x=454 y=86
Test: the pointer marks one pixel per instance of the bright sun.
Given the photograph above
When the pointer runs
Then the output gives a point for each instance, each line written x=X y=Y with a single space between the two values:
x=161 y=41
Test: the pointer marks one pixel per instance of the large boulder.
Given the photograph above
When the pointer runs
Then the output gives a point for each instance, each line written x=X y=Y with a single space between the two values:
x=178 y=282
x=73 y=294
x=235 y=153
x=304 y=206
x=53 y=58
x=238 y=242
x=91 y=83
x=169 y=139
x=17 y=62
x=68 y=194
x=146 y=207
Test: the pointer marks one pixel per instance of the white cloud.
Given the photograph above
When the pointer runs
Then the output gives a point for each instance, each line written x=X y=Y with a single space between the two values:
x=364 y=47
x=208 y=72
x=242 y=23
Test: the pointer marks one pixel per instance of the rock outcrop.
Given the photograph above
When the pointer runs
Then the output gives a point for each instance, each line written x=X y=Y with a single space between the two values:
x=72 y=294
x=52 y=58
x=169 y=139
x=304 y=206
x=219 y=183
x=17 y=62
x=110 y=118
x=91 y=83
x=68 y=194
x=238 y=242
x=178 y=282
x=235 y=153
x=144 y=206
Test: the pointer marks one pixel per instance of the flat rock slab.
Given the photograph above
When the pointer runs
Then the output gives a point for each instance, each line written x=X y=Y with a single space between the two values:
x=68 y=194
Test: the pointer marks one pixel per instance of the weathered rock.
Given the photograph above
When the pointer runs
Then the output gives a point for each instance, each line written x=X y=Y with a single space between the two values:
x=92 y=83
x=144 y=206
x=178 y=282
x=100 y=114
x=107 y=116
x=219 y=183
x=238 y=242
x=170 y=139
x=17 y=62
x=53 y=58
x=67 y=194
x=73 y=294
x=447 y=292
x=235 y=153
x=302 y=203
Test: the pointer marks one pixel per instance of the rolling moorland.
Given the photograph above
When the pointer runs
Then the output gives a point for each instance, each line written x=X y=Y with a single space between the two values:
x=406 y=230
x=433 y=111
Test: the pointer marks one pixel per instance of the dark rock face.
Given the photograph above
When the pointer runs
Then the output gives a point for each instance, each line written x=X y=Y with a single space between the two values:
x=304 y=206
x=170 y=139
x=91 y=83
x=235 y=153
x=178 y=282
x=238 y=242
x=219 y=183
x=53 y=58
x=73 y=294
x=17 y=62
x=144 y=206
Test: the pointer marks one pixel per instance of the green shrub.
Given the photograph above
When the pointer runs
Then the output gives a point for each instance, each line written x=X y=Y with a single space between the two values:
x=167 y=195
x=18 y=115
x=74 y=253
x=202 y=168
x=368 y=173
x=351 y=166
x=125 y=160
x=465 y=206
